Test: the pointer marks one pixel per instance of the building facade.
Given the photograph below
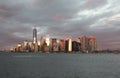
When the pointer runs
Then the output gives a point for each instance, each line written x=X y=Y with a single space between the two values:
x=92 y=43
x=84 y=43
x=69 y=43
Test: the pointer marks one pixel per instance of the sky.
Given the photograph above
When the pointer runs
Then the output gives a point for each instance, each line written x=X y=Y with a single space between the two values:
x=59 y=18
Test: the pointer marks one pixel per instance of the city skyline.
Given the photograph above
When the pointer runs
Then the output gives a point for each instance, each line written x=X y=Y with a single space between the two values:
x=46 y=44
x=60 y=18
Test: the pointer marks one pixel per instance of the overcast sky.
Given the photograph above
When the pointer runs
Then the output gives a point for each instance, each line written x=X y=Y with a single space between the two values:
x=59 y=18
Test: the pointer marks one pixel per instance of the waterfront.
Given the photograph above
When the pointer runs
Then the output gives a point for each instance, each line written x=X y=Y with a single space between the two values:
x=62 y=65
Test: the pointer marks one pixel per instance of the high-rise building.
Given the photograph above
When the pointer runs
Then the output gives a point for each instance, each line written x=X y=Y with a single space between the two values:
x=46 y=44
x=92 y=43
x=84 y=43
x=19 y=47
x=69 y=43
x=54 y=45
x=45 y=47
x=47 y=40
x=35 y=39
x=31 y=49
x=42 y=40
x=26 y=46
x=34 y=35
x=62 y=45
x=36 y=47
x=76 y=46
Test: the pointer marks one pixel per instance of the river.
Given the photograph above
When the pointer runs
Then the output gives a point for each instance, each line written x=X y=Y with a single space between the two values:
x=62 y=65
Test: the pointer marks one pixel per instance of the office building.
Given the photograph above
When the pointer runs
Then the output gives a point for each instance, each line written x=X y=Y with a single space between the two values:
x=84 y=43
x=35 y=39
x=61 y=45
x=34 y=35
x=76 y=46
x=92 y=43
x=47 y=40
x=31 y=45
x=68 y=43
x=36 y=47
x=45 y=47
x=42 y=40
x=45 y=43
x=54 y=45
x=26 y=46
x=19 y=47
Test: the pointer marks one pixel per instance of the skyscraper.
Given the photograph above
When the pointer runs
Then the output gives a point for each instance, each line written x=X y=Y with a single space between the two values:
x=34 y=35
x=62 y=45
x=84 y=43
x=69 y=43
x=35 y=39
x=92 y=43
x=42 y=40
x=47 y=40
x=55 y=47
x=46 y=45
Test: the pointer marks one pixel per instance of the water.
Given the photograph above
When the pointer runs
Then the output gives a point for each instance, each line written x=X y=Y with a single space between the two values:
x=31 y=65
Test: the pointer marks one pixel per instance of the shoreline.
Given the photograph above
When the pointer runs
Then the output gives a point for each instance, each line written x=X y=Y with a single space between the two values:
x=62 y=52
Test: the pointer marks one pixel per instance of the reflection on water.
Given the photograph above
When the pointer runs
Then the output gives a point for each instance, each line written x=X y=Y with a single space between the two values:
x=31 y=65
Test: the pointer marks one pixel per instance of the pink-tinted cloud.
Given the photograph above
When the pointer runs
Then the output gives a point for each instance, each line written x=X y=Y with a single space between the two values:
x=60 y=18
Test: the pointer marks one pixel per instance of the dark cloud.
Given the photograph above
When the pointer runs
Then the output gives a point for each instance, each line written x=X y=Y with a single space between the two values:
x=91 y=4
x=7 y=39
x=60 y=18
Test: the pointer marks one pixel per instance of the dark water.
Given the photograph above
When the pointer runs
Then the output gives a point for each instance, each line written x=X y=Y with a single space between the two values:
x=31 y=65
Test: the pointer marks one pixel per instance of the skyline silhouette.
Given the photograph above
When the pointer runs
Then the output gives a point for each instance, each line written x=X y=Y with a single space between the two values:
x=60 y=18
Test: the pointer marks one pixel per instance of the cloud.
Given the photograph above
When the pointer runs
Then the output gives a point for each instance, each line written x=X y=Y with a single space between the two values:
x=91 y=4
x=60 y=18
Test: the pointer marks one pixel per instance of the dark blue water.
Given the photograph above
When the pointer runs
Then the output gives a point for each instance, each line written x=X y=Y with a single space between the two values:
x=31 y=65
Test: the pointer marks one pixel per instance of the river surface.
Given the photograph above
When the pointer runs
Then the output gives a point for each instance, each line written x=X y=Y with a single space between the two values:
x=62 y=65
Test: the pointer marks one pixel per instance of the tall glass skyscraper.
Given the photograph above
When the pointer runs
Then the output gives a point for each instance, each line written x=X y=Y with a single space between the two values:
x=35 y=39
x=34 y=35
